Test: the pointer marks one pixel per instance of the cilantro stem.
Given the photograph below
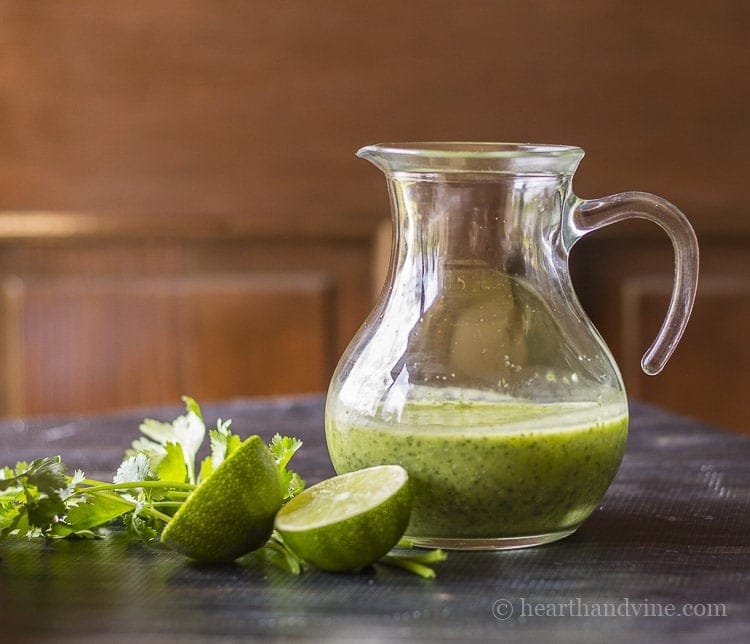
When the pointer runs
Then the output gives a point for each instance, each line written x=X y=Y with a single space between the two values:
x=136 y=484
x=409 y=565
x=156 y=514
x=150 y=509
x=428 y=557
x=291 y=560
x=92 y=482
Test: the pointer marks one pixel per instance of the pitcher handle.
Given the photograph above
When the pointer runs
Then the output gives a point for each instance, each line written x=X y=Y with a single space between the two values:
x=586 y=215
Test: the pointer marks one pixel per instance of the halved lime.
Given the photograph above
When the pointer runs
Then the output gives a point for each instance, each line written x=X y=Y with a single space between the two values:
x=349 y=521
x=231 y=513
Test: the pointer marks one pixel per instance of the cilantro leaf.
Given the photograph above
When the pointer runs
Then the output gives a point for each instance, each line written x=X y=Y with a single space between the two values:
x=172 y=466
x=97 y=509
x=141 y=527
x=46 y=474
x=277 y=553
x=206 y=469
x=33 y=497
x=188 y=431
x=155 y=451
x=192 y=406
x=134 y=468
x=282 y=449
x=223 y=443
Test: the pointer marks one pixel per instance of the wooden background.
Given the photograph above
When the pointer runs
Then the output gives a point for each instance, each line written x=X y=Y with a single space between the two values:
x=149 y=150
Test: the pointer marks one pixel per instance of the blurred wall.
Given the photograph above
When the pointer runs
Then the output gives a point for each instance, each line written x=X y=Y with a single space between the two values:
x=256 y=108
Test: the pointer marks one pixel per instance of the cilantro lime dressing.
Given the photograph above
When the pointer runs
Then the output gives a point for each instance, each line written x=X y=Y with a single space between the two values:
x=490 y=470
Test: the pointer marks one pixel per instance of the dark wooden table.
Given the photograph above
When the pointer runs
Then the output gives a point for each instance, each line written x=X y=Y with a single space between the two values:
x=671 y=539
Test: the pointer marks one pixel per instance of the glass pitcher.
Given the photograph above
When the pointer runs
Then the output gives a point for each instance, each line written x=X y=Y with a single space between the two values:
x=478 y=370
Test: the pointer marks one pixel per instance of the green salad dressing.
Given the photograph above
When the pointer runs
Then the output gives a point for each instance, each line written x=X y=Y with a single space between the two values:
x=490 y=470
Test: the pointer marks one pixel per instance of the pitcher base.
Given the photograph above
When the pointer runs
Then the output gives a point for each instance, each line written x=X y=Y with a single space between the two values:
x=499 y=543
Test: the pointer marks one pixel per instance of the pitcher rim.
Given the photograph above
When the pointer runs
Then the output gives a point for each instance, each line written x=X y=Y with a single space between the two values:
x=483 y=149
x=452 y=157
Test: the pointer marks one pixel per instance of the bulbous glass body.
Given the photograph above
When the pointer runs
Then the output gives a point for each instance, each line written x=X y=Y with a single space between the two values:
x=478 y=370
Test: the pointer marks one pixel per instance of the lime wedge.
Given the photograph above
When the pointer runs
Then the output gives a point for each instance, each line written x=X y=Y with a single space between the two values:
x=349 y=521
x=231 y=513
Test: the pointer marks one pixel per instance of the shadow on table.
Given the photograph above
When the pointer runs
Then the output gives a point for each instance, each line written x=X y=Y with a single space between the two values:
x=728 y=528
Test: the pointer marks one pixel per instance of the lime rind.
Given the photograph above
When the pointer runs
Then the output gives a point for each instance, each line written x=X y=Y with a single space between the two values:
x=231 y=513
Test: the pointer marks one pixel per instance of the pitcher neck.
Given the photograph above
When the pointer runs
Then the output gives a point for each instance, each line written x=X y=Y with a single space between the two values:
x=492 y=221
x=492 y=204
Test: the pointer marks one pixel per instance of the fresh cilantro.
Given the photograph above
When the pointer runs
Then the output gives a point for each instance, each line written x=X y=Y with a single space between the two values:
x=136 y=467
x=282 y=450
x=154 y=479
x=277 y=553
x=96 y=509
x=223 y=443
x=32 y=497
x=192 y=407
x=187 y=431
x=172 y=467
x=418 y=564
